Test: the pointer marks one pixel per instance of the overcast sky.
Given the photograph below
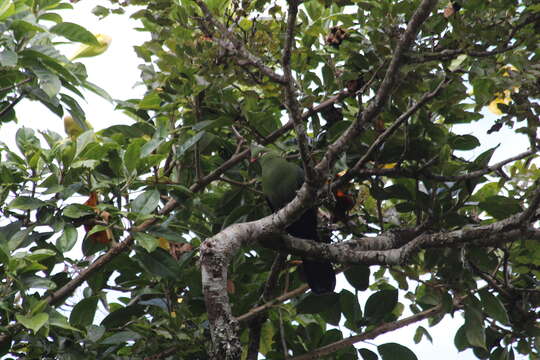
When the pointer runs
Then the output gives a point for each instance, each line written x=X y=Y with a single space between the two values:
x=116 y=71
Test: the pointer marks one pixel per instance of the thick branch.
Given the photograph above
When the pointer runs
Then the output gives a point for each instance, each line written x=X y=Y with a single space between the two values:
x=217 y=251
x=200 y=185
x=352 y=251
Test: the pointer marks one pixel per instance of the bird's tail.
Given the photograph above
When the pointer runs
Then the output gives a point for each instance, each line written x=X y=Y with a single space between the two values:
x=320 y=276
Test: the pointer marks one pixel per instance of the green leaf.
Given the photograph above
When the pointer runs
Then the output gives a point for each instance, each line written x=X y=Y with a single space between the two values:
x=8 y=58
x=121 y=337
x=59 y=320
x=95 y=332
x=483 y=89
x=84 y=139
x=314 y=304
x=367 y=354
x=460 y=339
x=19 y=239
x=189 y=143
x=51 y=17
x=151 y=101
x=96 y=229
x=159 y=262
x=97 y=90
x=26 y=203
x=397 y=191
x=350 y=307
x=239 y=214
x=48 y=81
x=33 y=323
x=474 y=327
x=463 y=142
x=122 y=316
x=456 y=63
x=83 y=313
x=494 y=307
x=358 y=276
x=148 y=242
x=500 y=207
x=394 y=351
x=267 y=337
x=166 y=233
x=483 y=159
x=328 y=76
x=68 y=239
x=76 y=211
x=36 y=282
x=132 y=155
x=380 y=304
x=7 y=8
x=420 y=333
x=332 y=313
x=146 y=202
x=26 y=27
x=40 y=254
x=75 y=33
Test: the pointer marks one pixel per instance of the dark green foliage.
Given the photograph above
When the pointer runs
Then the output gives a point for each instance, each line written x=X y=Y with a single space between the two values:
x=203 y=110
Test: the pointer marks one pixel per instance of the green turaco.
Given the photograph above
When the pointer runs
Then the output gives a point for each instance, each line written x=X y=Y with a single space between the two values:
x=280 y=182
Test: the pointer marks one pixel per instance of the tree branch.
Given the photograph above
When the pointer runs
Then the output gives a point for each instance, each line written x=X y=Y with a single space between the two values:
x=352 y=251
x=291 y=102
x=255 y=324
x=11 y=105
x=14 y=86
x=372 y=334
x=257 y=310
x=387 y=133
x=229 y=42
x=419 y=173
x=217 y=251
x=383 y=93
x=503 y=47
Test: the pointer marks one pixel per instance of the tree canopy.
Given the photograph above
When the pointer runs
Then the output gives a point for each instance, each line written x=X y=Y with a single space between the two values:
x=175 y=241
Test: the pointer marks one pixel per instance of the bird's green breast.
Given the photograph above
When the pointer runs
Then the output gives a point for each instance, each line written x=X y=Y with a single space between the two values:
x=280 y=180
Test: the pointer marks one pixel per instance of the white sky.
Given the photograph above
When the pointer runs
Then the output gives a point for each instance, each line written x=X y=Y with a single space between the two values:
x=116 y=71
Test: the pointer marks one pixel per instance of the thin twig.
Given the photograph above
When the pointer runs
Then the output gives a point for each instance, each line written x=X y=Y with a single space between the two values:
x=291 y=102
x=421 y=173
x=11 y=105
x=11 y=87
x=229 y=42
x=372 y=334
x=383 y=93
x=387 y=133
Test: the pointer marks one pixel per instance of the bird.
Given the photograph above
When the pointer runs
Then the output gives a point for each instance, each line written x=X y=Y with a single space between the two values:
x=280 y=181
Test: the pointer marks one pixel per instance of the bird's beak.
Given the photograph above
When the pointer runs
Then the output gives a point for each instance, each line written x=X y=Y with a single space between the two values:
x=257 y=154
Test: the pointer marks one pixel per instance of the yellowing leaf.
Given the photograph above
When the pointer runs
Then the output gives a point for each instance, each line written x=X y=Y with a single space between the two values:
x=93 y=50
x=387 y=166
x=164 y=243
x=503 y=98
x=73 y=129
x=508 y=68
